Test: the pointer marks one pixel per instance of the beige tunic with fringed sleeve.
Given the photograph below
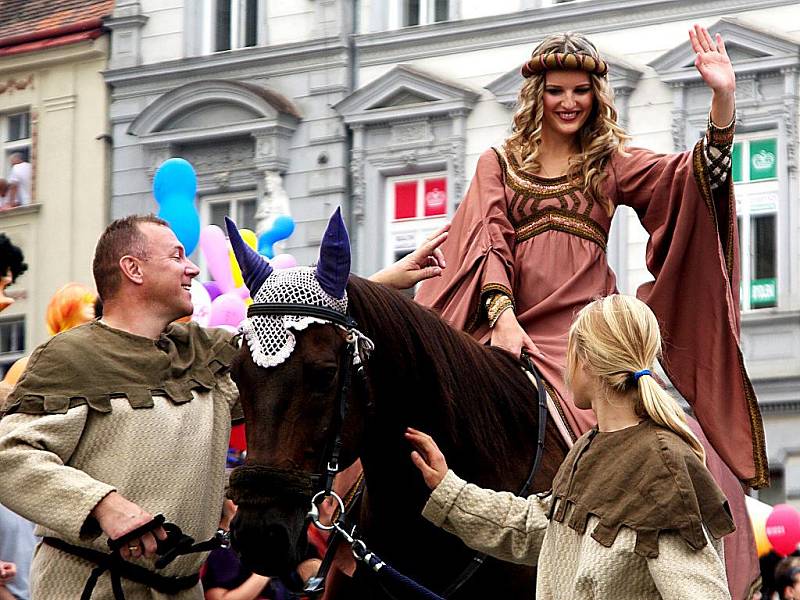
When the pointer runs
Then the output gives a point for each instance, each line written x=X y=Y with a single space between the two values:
x=100 y=410
x=630 y=516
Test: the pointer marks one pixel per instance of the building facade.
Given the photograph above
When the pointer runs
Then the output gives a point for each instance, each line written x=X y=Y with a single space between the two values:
x=383 y=107
x=54 y=113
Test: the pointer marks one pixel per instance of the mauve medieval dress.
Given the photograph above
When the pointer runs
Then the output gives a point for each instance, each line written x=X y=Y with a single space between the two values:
x=543 y=243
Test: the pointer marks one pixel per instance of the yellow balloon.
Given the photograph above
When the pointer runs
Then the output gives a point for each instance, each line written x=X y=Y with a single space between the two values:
x=16 y=370
x=758 y=513
x=251 y=240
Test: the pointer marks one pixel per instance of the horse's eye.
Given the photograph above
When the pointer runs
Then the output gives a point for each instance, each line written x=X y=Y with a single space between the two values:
x=320 y=378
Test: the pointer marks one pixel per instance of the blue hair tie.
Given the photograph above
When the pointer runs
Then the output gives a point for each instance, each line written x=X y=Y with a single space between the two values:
x=639 y=374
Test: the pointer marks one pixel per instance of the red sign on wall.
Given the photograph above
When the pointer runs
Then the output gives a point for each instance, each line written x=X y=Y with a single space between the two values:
x=405 y=200
x=435 y=197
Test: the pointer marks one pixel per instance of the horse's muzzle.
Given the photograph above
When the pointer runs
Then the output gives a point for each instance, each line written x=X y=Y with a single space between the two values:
x=270 y=542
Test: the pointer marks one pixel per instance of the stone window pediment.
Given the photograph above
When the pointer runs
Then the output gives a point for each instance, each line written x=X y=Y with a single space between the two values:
x=239 y=116
x=213 y=108
x=623 y=77
x=405 y=92
x=751 y=48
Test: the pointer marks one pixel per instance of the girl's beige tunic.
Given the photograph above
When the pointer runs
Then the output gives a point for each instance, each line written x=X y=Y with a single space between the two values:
x=637 y=529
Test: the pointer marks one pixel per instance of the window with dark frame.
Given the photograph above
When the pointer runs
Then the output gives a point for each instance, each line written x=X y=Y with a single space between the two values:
x=235 y=24
x=12 y=342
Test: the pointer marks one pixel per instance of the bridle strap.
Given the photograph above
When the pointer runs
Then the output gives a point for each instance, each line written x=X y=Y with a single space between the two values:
x=331 y=467
x=272 y=309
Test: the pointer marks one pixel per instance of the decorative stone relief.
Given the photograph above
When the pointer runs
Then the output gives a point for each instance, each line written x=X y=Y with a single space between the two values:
x=456 y=157
x=679 y=129
x=357 y=184
x=790 y=108
x=13 y=85
x=407 y=133
x=157 y=155
x=221 y=155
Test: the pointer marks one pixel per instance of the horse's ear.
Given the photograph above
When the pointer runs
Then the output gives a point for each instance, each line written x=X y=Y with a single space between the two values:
x=333 y=267
x=255 y=268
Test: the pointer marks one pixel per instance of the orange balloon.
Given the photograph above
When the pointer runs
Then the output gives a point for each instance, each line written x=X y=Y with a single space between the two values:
x=16 y=370
x=758 y=513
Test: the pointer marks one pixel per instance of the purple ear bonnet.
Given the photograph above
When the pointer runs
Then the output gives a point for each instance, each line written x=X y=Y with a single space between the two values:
x=333 y=268
x=255 y=268
x=271 y=338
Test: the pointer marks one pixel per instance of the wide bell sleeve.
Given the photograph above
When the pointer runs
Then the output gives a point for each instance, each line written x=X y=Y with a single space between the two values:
x=693 y=255
x=479 y=251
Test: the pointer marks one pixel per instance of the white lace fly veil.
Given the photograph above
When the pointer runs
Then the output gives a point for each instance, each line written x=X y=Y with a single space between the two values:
x=271 y=338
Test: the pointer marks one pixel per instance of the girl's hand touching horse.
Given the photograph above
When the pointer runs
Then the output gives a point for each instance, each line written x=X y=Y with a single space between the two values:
x=427 y=457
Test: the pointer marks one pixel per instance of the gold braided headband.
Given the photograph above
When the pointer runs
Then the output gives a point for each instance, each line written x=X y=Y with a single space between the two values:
x=564 y=61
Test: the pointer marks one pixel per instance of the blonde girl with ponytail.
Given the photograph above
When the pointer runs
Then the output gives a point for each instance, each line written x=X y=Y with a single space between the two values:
x=633 y=511
x=616 y=341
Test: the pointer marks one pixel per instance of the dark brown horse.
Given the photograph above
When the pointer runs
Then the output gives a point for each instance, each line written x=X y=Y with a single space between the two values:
x=475 y=400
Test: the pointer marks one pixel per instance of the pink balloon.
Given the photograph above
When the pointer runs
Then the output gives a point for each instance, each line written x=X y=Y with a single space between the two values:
x=227 y=309
x=201 y=300
x=783 y=529
x=283 y=261
x=214 y=245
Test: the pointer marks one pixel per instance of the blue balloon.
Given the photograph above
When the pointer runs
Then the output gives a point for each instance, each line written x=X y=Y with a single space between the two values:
x=183 y=220
x=282 y=228
x=175 y=179
x=265 y=246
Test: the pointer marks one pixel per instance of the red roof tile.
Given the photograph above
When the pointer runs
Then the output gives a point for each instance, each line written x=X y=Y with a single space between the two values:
x=28 y=16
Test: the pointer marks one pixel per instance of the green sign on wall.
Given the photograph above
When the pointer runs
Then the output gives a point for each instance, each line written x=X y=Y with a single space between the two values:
x=763 y=292
x=763 y=159
x=736 y=158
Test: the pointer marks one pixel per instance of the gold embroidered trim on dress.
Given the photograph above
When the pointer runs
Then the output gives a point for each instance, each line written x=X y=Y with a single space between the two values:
x=562 y=220
x=720 y=136
x=529 y=184
x=486 y=290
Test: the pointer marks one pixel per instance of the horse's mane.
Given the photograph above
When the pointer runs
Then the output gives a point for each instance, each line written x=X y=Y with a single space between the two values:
x=483 y=390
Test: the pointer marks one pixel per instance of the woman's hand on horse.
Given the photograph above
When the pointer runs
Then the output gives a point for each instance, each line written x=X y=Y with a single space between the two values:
x=427 y=457
x=423 y=263
x=508 y=334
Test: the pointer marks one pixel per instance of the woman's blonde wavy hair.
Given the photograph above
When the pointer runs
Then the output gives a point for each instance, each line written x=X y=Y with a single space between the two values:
x=600 y=136
x=613 y=337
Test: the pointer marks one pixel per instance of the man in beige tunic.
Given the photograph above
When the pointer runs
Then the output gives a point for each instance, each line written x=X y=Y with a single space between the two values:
x=120 y=419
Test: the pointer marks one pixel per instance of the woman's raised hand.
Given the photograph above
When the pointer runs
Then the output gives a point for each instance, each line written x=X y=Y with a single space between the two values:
x=427 y=457
x=712 y=60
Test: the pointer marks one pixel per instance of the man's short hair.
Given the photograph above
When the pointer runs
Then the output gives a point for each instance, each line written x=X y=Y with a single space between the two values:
x=122 y=237
x=785 y=573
